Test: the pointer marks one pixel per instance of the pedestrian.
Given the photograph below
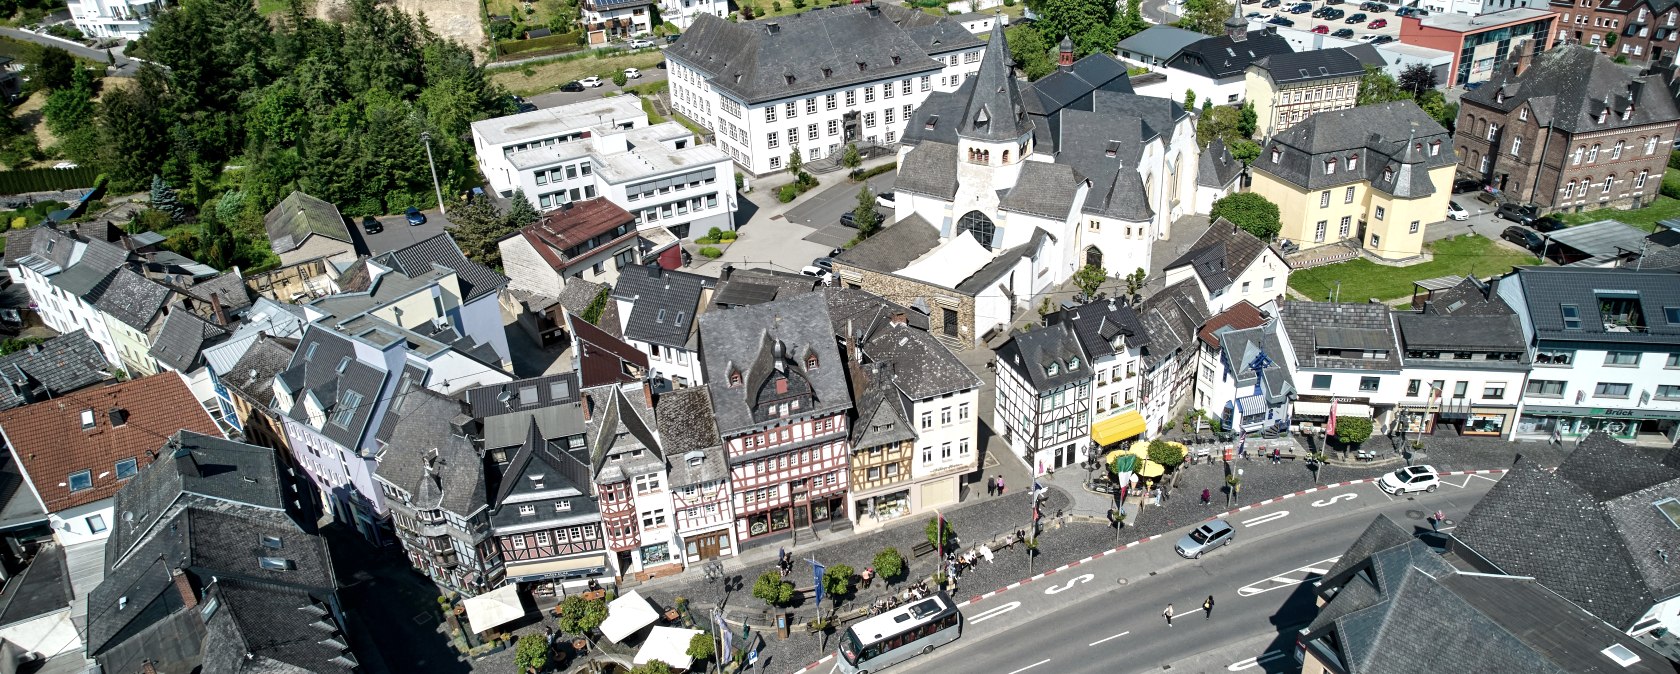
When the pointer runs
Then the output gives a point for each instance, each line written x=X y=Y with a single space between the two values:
x=1000 y=484
x=1168 y=615
x=1435 y=522
x=1207 y=608
x=1207 y=497
x=868 y=576
x=1276 y=457
x=991 y=486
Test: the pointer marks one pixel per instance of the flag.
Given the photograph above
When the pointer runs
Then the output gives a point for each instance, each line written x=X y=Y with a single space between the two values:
x=1330 y=428
x=1242 y=440
x=817 y=571
x=723 y=631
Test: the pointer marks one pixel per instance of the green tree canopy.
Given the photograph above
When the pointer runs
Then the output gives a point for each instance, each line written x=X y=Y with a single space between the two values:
x=1090 y=23
x=1131 y=21
x=1089 y=278
x=1353 y=430
x=941 y=537
x=1250 y=211
x=837 y=581
x=652 y=667
x=1417 y=78
x=1205 y=16
x=772 y=589
x=531 y=653
x=52 y=68
x=70 y=108
x=1165 y=454
x=579 y=615
x=1377 y=86
x=702 y=646
x=864 y=213
x=1245 y=151
x=889 y=563
x=1220 y=122
x=1032 y=53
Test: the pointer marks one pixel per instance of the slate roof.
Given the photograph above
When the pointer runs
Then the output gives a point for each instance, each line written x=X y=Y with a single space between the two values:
x=1546 y=289
x=39 y=589
x=228 y=288
x=786 y=56
x=1216 y=167
x=253 y=375
x=741 y=340
x=1044 y=189
x=1465 y=317
x=53 y=368
x=300 y=216
x=1221 y=255
x=1568 y=86
x=1346 y=325
x=50 y=443
x=929 y=168
x=786 y=284
x=1219 y=57
x=688 y=430
x=993 y=110
x=894 y=247
x=541 y=473
x=266 y=317
x=622 y=434
x=180 y=341
x=1391 y=141
x=260 y=629
x=858 y=312
x=1171 y=317
x=601 y=359
x=578 y=294
x=1598 y=504
x=1031 y=353
x=883 y=417
x=417 y=259
x=554 y=401
x=1097 y=325
x=1243 y=349
x=1308 y=66
x=1073 y=86
x=425 y=457
x=1161 y=41
x=663 y=303
x=922 y=367
x=314 y=371
x=131 y=298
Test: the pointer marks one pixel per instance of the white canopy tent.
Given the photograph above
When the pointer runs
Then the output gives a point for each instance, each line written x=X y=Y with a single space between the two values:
x=498 y=607
x=625 y=615
x=668 y=645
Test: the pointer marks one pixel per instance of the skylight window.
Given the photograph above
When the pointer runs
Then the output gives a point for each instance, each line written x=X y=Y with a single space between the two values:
x=81 y=480
x=1670 y=508
x=87 y=419
x=1623 y=655
x=1571 y=317
x=1672 y=314
x=309 y=353
x=276 y=564
x=346 y=409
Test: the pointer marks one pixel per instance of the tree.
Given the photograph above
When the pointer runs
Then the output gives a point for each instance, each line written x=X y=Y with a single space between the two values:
x=1610 y=39
x=1221 y=122
x=578 y=615
x=1250 y=211
x=864 y=213
x=852 y=159
x=837 y=581
x=70 y=108
x=165 y=199
x=1444 y=113
x=1245 y=151
x=531 y=653
x=942 y=537
x=1205 y=16
x=11 y=345
x=795 y=162
x=1249 y=121
x=889 y=564
x=619 y=78
x=772 y=589
x=1352 y=431
x=1134 y=283
x=1131 y=21
x=1189 y=99
x=1089 y=23
x=652 y=667
x=1166 y=454
x=702 y=646
x=1417 y=78
x=520 y=211
x=1089 y=278
x=1030 y=50
x=1207 y=105
x=1377 y=86
x=52 y=69
x=478 y=226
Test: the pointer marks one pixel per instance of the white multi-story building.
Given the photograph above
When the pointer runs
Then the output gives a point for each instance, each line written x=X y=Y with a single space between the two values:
x=613 y=19
x=1231 y=266
x=494 y=140
x=816 y=81
x=1214 y=386
x=1113 y=338
x=1214 y=68
x=1465 y=362
x=1171 y=317
x=658 y=312
x=1605 y=344
x=1343 y=355
x=1043 y=397
x=127 y=19
x=682 y=13
x=699 y=473
x=59 y=270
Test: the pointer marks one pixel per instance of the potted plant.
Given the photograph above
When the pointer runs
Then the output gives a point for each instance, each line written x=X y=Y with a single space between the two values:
x=821 y=624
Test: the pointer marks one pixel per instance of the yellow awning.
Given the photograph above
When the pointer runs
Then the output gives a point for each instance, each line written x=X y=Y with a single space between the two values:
x=1125 y=425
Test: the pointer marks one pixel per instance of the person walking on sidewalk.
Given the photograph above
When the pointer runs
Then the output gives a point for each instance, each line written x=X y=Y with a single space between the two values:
x=1207 y=608
x=1000 y=484
x=1168 y=615
x=991 y=486
x=1435 y=522
x=1207 y=497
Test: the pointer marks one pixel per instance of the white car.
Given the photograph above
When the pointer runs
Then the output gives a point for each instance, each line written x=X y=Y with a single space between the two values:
x=1456 y=212
x=886 y=200
x=1410 y=479
x=633 y=73
x=590 y=81
x=641 y=44
x=821 y=274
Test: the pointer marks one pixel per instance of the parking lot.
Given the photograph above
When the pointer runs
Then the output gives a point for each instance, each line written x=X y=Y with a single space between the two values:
x=821 y=211
x=397 y=232
x=1267 y=10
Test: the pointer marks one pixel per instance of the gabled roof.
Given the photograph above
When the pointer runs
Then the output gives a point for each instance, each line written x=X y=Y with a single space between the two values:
x=426 y=458
x=130 y=298
x=1546 y=290
x=689 y=437
x=1048 y=358
x=1468 y=316
x=300 y=216
x=922 y=367
x=417 y=259
x=1099 y=324
x=930 y=168
x=50 y=369
x=227 y=289
x=1568 y=86
x=574 y=225
x=506 y=410
x=326 y=368
x=882 y=415
x=1240 y=316
x=600 y=358
x=1219 y=56
x=1246 y=349
x=1161 y=41
x=1344 y=326
x=894 y=247
x=1308 y=66
x=51 y=443
x=253 y=375
x=180 y=342
x=1216 y=167
x=1043 y=189
x=663 y=303
x=540 y=474
x=802 y=54
x=993 y=110
x=1171 y=317
x=1221 y=255
x=742 y=341
x=622 y=435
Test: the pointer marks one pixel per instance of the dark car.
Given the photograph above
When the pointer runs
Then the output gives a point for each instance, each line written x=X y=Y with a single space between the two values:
x=824 y=263
x=415 y=217
x=849 y=219
x=1462 y=185
x=573 y=85
x=1366 y=6
x=1357 y=18
x=671 y=39
x=1523 y=236
x=1343 y=33
x=1547 y=224
x=1377 y=7
x=1519 y=213
x=1383 y=39
x=1301 y=8
x=1268 y=4
x=371 y=225
x=1403 y=11
x=1334 y=14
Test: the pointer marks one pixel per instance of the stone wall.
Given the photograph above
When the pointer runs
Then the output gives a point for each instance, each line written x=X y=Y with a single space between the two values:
x=905 y=292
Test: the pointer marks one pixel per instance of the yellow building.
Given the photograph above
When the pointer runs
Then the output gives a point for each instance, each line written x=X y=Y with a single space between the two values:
x=1371 y=178
x=1288 y=88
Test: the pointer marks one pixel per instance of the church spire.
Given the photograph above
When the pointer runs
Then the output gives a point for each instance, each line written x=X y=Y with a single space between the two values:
x=1236 y=27
x=994 y=111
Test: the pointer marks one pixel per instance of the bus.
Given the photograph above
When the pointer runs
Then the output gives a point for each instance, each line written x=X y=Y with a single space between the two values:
x=887 y=639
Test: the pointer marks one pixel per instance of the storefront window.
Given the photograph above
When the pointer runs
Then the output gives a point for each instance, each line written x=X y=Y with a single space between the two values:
x=887 y=507
x=1414 y=422
x=819 y=511
x=759 y=523
x=656 y=554
x=779 y=519
x=1485 y=424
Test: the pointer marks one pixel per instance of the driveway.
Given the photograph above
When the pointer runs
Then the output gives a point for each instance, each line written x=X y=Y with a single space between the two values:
x=556 y=99
x=398 y=233
x=821 y=211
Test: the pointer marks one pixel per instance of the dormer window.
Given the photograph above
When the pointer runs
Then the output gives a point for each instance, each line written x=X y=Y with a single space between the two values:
x=1523 y=114
x=862 y=66
x=1435 y=148
x=1277 y=154
x=1388 y=173
x=789 y=79
x=1604 y=116
x=1499 y=97
x=1073 y=363
x=828 y=72
x=810 y=362
x=932 y=121
x=1052 y=369
x=563 y=506
x=1113 y=149
x=734 y=378
x=1627 y=112
x=1353 y=163
x=896 y=60
x=527 y=510
x=1329 y=166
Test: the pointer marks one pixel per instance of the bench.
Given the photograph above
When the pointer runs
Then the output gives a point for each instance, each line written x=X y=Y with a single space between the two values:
x=920 y=549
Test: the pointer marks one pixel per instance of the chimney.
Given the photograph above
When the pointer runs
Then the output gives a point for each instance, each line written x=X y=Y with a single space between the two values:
x=147 y=668
x=727 y=270
x=588 y=407
x=647 y=393
x=1520 y=65
x=216 y=309
x=183 y=584
x=186 y=463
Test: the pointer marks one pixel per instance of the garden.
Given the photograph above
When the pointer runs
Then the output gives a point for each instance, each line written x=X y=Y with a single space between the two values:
x=1361 y=279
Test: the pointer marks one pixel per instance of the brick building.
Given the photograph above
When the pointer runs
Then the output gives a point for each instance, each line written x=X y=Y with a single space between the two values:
x=1573 y=131
x=1645 y=30
x=1481 y=45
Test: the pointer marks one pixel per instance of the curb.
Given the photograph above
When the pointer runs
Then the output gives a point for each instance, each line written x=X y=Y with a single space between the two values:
x=981 y=597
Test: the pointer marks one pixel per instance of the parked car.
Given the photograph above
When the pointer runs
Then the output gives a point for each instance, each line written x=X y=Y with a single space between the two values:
x=824 y=263
x=1321 y=29
x=1334 y=14
x=1205 y=538
x=1281 y=21
x=633 y=73
x=1525 y=237
x=1268 y=4
x=415 y=217
x=573 y=85
x=1368 y=37
x=886 y=200
x=371 y=225
x=641 y=44
x=1366 y=6
x=1403 y=11
x=1343 y=33
x=1382 y=39
x=1333 y=2
x=1411 y=479
x=1378 y=7
x=1317 y=13
x=849 y=219
x=1357 y=18
x=1456 y=212
x=1521 y=214
x=1301 y=8
x=1463 y=185
x=1254 y=15
x=1377 y=23
x=1547 y=224
x=819 y=273
x=591 y=81
x=672 y=38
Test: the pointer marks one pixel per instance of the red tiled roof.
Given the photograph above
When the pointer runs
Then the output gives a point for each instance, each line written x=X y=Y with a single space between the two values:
x=1241 y=316
x=567 y=227
x=601 y=356
x=48 y=440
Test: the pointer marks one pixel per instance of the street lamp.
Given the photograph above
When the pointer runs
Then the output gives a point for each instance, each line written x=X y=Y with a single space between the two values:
x=714 y=573
x=426 y=137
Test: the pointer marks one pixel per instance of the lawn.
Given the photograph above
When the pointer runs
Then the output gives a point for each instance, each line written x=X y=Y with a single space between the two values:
x=1362 y=279
x=546 y=76
x=267 y=7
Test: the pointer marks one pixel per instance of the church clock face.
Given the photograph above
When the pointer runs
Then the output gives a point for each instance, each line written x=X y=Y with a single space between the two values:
x=980 y=225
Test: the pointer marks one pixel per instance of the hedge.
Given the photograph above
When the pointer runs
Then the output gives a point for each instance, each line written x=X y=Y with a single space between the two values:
x=865 y=174
x=47 y=180
x=559 y=41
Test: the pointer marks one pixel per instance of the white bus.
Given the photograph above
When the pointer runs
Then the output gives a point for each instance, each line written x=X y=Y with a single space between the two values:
x=897 y=635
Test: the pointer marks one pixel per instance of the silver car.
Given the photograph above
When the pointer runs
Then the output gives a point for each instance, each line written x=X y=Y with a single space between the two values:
x=1204 y=538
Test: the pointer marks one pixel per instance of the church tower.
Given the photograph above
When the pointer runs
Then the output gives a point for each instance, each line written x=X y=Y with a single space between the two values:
x=994 y=130
x=1236 y=27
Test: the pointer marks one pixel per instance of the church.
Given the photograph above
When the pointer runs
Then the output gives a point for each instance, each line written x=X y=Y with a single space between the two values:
x=1006 y=188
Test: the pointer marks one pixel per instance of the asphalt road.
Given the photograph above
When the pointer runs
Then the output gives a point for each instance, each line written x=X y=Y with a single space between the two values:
x=555 y=99
x=822 y=211
x=1105 y=615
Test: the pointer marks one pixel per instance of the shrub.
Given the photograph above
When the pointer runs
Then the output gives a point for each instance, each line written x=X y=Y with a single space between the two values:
x=619 y=78
x=578 y=616
x=728 y=237
x=865 y=174
x=714 y=233
x=1353 y=430
x=837 y=581
x=787 y=193
x=531 y=653
x=710 y=253
x=889 y=563
x=1165 y=453
x=770 y=587
x=776 y=5
x=702 y=647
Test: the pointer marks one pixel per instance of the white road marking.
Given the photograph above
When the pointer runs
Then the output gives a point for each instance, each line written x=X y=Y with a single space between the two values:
x=1289 y=578
x=1266 y=518
x=1251 y=663
x=1040 y=662
x=1339 y=497
x=1318 y=571
x=1081 y=578
x=994 y=612
x=1117 y=636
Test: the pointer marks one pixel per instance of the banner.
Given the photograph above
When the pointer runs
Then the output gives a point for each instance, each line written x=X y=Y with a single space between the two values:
x=1330 y=428
x=817 y=571
x=723 y=631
